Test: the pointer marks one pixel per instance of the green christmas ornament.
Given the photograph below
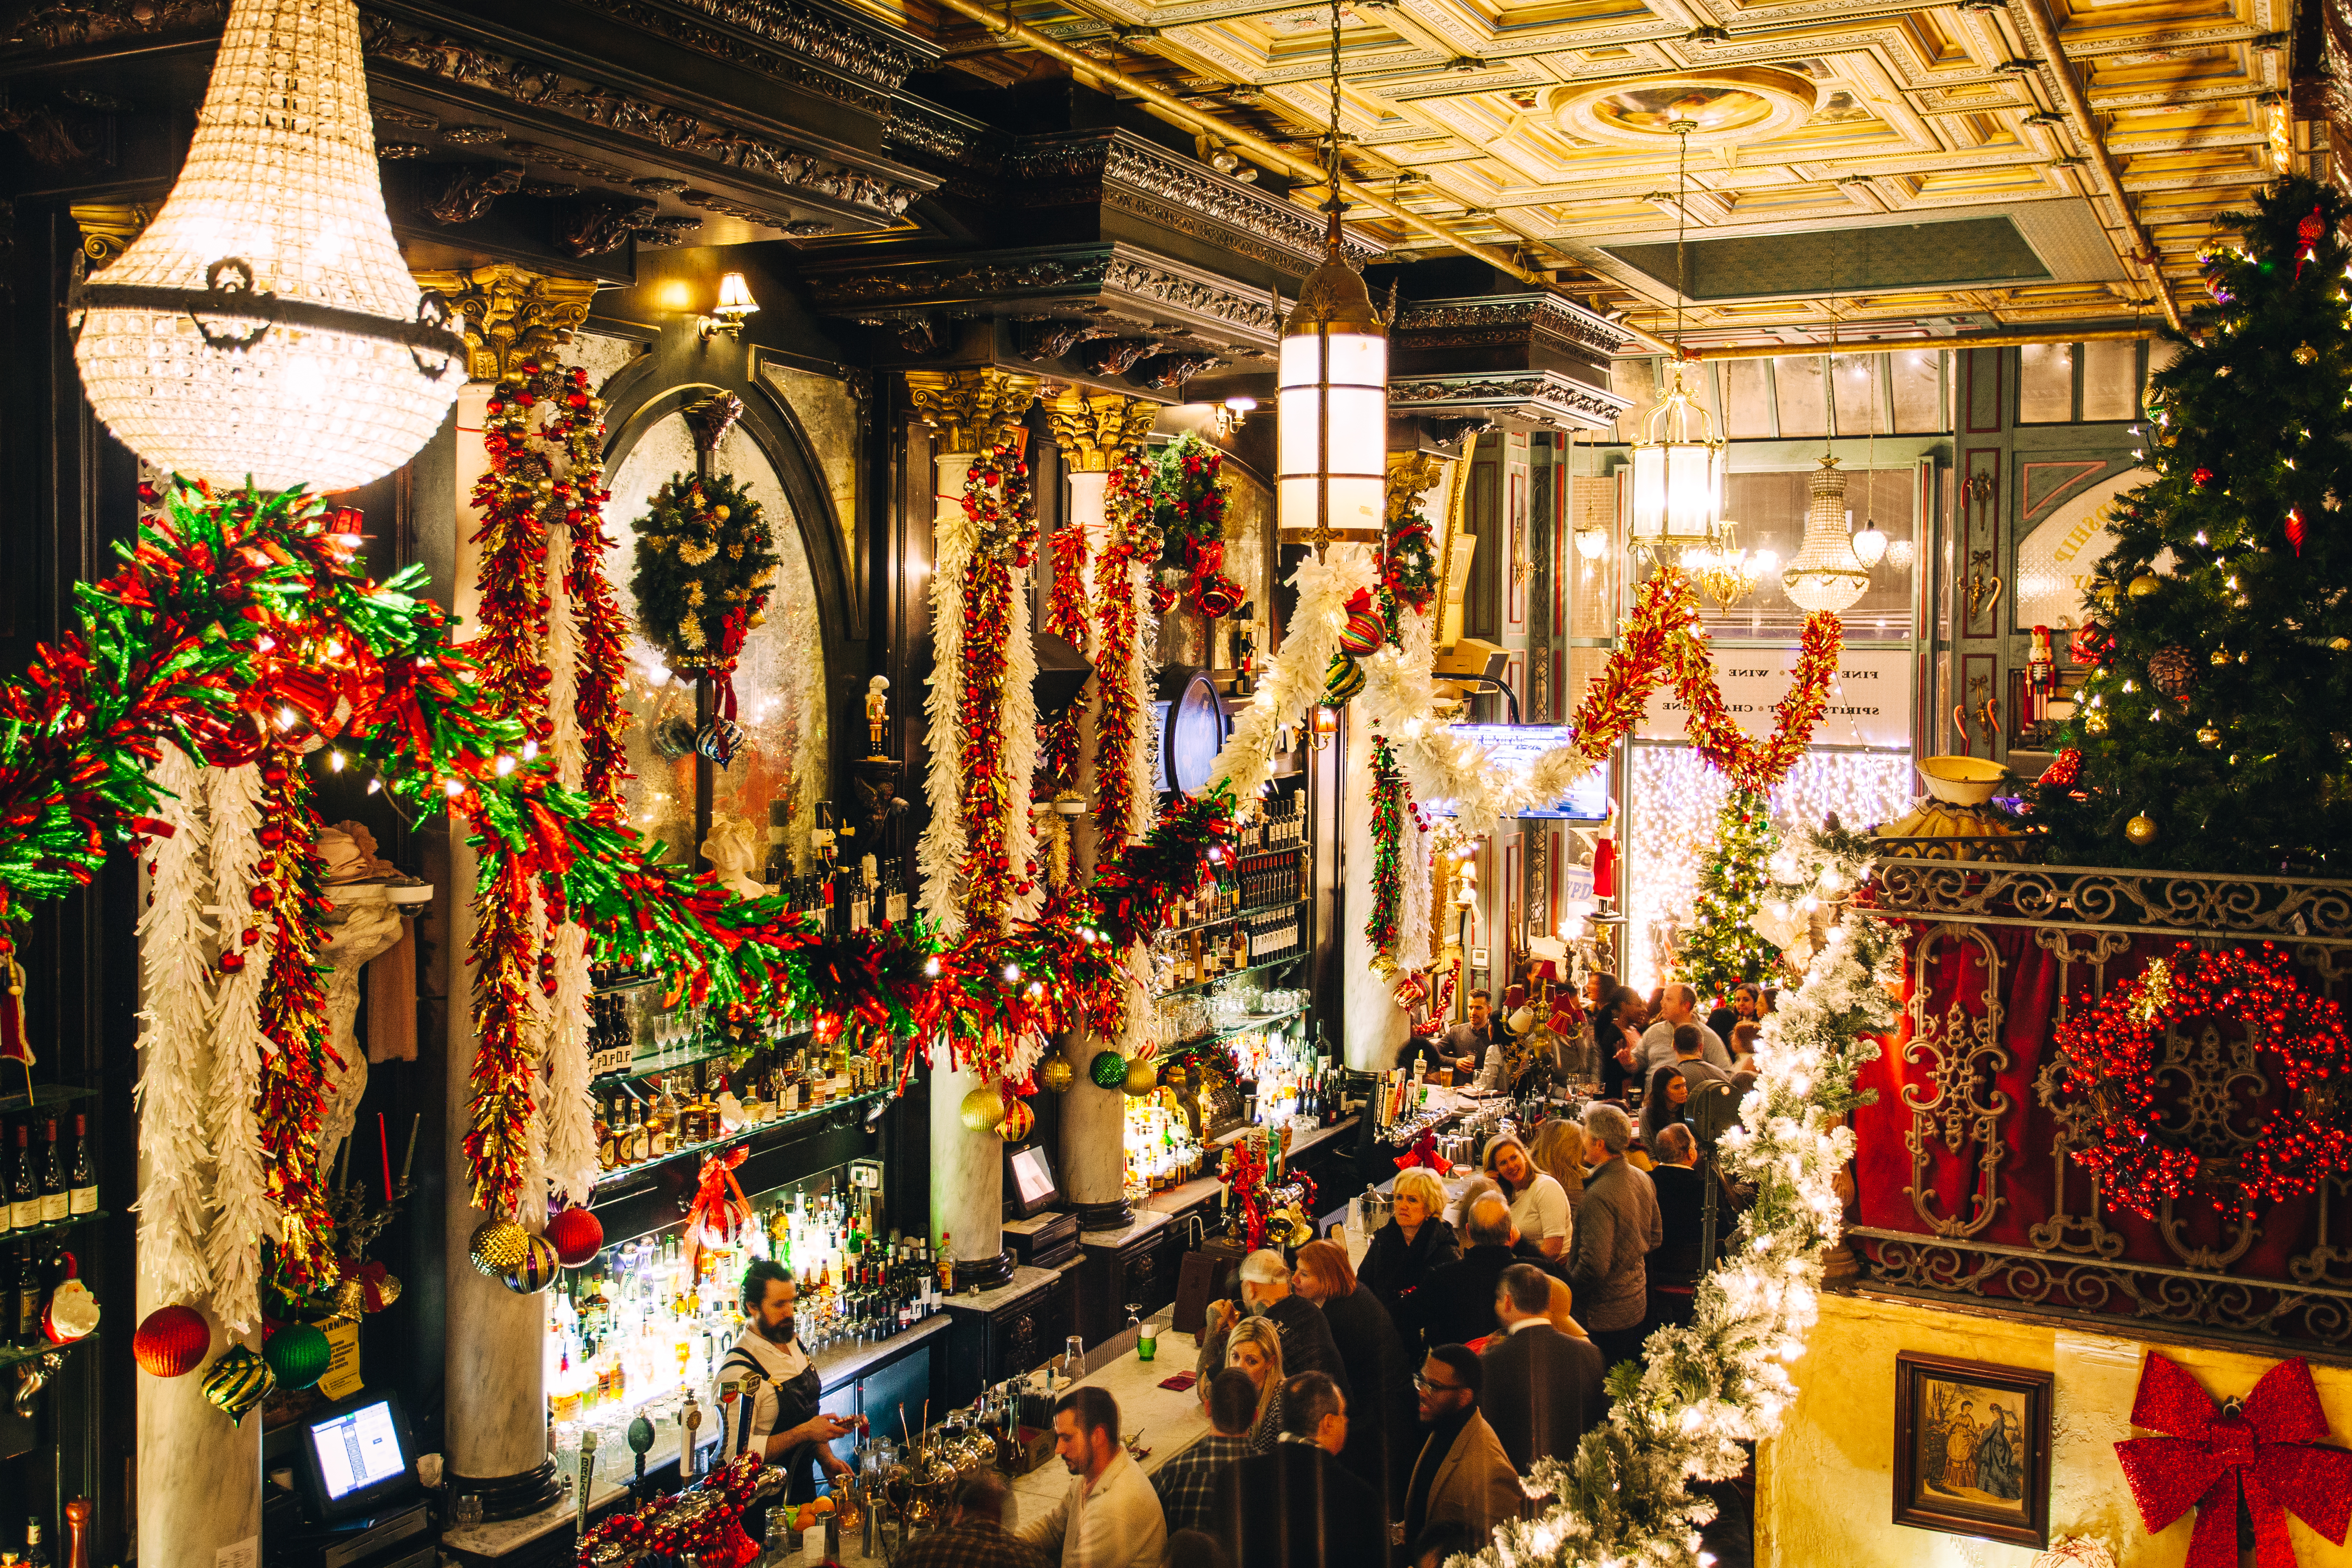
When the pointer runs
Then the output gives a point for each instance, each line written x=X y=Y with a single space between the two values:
x=1109 y=1070
x=298 y=1355
x=237 y=1382
x=1342 y=678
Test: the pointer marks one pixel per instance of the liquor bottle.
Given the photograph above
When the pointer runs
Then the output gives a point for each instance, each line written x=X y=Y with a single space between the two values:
x=81 y=1178
x=25 y=1194
x=53 y=1179
x=32 y=1295
x=779 y=869
x=37 y=1551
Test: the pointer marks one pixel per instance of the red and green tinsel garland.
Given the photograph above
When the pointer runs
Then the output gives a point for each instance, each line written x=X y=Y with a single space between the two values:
x=504 y=1079
x=1389 y=802
x=240 y=621
x=1065 y=617
x=2113 y=1052
x=992 y=882
x=1132 y=544
x=287 y=896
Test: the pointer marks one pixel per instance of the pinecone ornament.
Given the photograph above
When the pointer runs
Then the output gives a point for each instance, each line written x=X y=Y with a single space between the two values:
x=2172 y=670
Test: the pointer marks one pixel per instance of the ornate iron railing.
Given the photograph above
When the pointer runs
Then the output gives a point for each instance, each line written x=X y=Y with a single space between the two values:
x=1997 y=1210
x=2106 y=898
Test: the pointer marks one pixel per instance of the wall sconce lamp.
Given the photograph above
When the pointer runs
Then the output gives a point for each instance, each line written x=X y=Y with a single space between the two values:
x=1231 y=414
x=1327 y=727
x=735 y=303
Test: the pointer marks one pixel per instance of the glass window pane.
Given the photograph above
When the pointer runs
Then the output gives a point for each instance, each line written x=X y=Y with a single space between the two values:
x=1854 y=382
x=1750 y=410
x=1918 y=374
x=2161 y=354
x=2111 y=381
x=1804 y=410
x=2046 y=384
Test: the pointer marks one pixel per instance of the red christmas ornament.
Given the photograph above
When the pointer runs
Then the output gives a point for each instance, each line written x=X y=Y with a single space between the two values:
x=2265 y=1450
x=577 y=1236
x=1363 y=633
x=250 y=935
x=2294 y=528
x=172 y=1341
x=2200 y=476
x=231 y=962
x=261 y=898
x=2308 y=231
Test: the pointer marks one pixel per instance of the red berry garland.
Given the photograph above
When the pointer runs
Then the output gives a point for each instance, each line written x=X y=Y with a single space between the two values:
x=2113 y=1058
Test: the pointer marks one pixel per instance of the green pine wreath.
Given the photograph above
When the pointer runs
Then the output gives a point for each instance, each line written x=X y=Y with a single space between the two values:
x=706 y=564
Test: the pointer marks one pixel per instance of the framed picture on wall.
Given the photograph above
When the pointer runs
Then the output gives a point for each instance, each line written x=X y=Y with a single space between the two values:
x=1972 y=1448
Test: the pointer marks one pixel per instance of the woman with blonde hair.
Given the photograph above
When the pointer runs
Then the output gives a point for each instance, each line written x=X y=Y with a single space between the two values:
x=1255 y=1345
x=1415 y=1240
x=1558 y=1313
x=1539 y=1202
x=1558 y=1150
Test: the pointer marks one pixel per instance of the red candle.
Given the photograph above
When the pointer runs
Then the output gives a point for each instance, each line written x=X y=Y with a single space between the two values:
x=383 y=1147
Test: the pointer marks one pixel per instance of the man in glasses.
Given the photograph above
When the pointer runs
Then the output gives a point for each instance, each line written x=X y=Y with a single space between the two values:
x=1463 y=1475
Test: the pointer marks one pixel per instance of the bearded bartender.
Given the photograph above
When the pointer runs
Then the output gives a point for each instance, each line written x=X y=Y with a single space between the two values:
x=785 y=1428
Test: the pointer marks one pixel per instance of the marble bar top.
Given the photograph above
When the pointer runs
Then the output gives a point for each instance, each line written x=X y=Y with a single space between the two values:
x=1026 y=1281
x=836 y=1365
x=1145 y=1222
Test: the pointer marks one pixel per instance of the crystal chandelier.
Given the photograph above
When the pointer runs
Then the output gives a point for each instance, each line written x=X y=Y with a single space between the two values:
x=264 y=325
x=1331 y=399
x=1825 y=575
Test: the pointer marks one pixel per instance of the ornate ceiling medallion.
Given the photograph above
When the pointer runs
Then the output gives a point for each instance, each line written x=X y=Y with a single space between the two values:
x=1745 y=105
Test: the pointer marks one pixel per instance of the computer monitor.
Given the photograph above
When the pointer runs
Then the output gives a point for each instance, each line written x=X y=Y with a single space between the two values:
x=1030 y=1186
x=356 y=1459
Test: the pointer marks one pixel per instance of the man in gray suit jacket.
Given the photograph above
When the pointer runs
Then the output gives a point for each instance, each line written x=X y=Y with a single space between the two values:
x=1617 y=1227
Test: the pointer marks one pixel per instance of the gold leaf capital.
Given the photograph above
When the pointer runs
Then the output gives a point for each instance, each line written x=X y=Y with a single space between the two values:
x=1092 y=428
x=509 y=314
x=969 y=408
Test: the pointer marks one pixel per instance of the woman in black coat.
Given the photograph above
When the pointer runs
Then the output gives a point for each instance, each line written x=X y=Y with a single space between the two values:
x=1416 y=1240
x=1383 y=1433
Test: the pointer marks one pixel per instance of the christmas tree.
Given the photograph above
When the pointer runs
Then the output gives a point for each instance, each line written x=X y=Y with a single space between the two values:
x=1722 y=947
x=2215 y=730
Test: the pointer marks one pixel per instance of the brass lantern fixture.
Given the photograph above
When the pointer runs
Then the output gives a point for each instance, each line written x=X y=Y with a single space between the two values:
x=1332 y=392
x=1678 y=467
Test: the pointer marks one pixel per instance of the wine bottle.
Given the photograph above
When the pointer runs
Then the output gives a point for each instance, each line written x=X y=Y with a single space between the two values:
x=53 y=1179
x=81 y=1180
x=24 y=1194
x=31 y=1297
x=37 y=1551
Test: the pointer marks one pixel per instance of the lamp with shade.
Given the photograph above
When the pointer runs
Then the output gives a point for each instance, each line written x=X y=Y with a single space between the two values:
x=264 y=326
x=735 y=305
x=1331 y=398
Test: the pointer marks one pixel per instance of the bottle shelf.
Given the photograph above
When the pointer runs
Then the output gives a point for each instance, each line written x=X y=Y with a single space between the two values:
x=686 y=1056
x=43 y=1097
x=1264 y=1021
x=9 y=1237
x=814 y=1116
x=1277 y=907
x=1216 y=980
x=17 y=1355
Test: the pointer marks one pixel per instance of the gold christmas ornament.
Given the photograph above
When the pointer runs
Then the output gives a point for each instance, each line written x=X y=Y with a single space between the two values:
x=498 y=1245
x=1018 y=1124
x=2094 y=722
x=2209 y=736
x=2339 y=644
x=982 y=1109
x=2220 y=656
x=2305 y=355
x=2142 y=585
x=1143 y=1077
x=351 y=1300
x=1056 y=1074
x=2141 y=830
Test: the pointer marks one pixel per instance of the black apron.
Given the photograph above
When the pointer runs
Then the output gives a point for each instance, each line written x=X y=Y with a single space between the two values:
x=796 y=1400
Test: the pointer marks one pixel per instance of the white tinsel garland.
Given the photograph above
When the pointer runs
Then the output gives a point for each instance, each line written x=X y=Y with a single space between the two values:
x=1723 y=1380
x=175 y=1038
x=243 y=1215
x=570 y=1113
x=939 y=856
x=1294 y=683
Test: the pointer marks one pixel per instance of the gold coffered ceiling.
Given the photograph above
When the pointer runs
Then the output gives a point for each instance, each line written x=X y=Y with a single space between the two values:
x=1540 y=124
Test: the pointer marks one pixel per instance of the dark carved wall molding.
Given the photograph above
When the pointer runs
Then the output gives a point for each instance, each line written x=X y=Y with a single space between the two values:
x=677 y=131
x=778 y=39
x=1508 y=318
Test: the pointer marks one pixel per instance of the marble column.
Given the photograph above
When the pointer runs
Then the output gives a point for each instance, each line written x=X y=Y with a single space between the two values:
x=1093 y=429
x=199 y=1489
x=967 y=410
x=491 y=1370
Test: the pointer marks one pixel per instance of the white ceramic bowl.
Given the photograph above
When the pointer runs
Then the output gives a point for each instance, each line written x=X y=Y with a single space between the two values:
x=1962 y=781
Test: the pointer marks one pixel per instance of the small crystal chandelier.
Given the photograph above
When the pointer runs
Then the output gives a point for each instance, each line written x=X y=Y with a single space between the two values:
x=1825 y=575
x=1331 y=399
x=1725 y=572
x=264 y=326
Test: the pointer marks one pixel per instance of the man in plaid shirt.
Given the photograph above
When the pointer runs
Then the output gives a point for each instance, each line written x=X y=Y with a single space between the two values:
x=973 y=1534
x=1187 y=1484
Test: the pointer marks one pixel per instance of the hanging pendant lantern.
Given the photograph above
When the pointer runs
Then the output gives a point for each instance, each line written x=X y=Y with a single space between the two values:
x=1678 y=466
x=1825 y=575
x=1331 y=406
x=264 y=325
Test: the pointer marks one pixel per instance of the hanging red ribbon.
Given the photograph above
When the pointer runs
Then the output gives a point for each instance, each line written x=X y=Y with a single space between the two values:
x=2265 y=1451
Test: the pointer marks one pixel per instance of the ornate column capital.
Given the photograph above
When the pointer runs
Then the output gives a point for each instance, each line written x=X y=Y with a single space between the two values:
x=1409 y=475
x=507 y=313
x=1092 y=428
x=969 y=408
x=108 y=229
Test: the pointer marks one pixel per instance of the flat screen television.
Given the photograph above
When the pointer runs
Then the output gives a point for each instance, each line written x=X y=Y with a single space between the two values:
x=356 y=1459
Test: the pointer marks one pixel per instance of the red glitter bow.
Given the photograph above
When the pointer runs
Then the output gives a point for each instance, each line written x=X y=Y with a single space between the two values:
x=1424 y=1155
x=2265 y=1449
